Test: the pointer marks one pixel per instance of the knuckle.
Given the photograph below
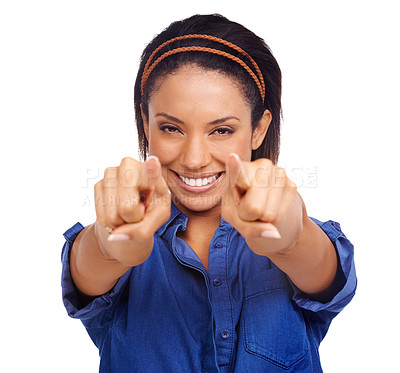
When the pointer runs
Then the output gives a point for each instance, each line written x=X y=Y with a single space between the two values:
x=129 y=176
x=254 y=210
x=110 y=172
x=125 y=210
x=280 y=172
x=249 y=212
x=262 y=173
x=129 y=212
x=125 y=161
x=110 y=177
x=265 y=163
x=269 y=216
x=280 y=177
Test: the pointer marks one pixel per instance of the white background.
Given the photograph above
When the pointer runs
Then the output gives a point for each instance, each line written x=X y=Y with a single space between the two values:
x=67 y=70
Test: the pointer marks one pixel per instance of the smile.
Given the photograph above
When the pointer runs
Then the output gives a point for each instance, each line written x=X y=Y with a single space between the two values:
x=200 y=181
x=198 y=184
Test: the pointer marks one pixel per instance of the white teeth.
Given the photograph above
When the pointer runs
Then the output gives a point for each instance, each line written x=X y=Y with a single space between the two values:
x=198 y=182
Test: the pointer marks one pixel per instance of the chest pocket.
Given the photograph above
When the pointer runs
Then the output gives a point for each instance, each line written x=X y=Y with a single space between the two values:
x=273 y=326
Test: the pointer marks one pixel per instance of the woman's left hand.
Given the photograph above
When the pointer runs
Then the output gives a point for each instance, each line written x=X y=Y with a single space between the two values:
x=263 y=205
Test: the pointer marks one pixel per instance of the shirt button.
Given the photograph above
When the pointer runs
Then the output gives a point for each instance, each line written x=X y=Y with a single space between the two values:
x=218 y=244
x=225 y=334
x=217 y=282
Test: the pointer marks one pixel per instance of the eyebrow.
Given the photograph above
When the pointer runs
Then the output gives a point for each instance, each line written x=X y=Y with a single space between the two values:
x=216 y=121
x=222 y=120
x=170 y=117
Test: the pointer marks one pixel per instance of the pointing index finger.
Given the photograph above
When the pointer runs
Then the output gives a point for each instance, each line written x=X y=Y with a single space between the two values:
x=151 y=172
x=237 y=173
x=152 y=177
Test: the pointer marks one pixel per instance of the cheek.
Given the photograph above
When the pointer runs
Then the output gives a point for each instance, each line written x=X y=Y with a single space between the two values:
x=246 y=146
x=244 y=150
x=164 y=150
x=241 y=145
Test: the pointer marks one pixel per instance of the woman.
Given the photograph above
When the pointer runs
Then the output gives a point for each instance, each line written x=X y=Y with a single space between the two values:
x=202 y=257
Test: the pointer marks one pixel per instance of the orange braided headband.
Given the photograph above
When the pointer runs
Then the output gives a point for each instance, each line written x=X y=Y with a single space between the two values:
x=258 y=79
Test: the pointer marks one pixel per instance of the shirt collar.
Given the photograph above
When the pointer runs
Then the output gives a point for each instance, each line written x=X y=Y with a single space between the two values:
x=177 y=217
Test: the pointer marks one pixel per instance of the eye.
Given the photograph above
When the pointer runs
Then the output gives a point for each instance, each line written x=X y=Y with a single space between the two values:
x=168 y=128
x=223 y=131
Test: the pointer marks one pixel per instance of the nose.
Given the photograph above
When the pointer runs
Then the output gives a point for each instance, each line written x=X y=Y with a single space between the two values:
x=195 y=153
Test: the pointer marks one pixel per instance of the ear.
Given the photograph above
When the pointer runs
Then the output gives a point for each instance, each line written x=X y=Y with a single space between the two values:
x=145 y=123
x=261 y=130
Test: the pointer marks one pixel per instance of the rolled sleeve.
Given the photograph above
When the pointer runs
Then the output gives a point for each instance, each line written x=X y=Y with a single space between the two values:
x=345 y=282
x=70 y=293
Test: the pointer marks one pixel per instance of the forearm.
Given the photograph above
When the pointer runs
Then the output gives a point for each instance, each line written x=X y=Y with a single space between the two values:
x=272 y=217
x=92 y=272
x=311 y=262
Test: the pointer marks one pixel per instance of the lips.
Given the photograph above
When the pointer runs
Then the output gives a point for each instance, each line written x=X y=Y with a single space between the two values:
x=197 y=183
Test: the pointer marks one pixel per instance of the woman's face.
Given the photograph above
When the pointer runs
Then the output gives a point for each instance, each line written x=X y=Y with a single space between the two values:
x=196 y=118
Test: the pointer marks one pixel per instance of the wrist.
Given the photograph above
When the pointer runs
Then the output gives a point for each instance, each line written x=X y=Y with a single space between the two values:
x=292 y=226
x=101 y=235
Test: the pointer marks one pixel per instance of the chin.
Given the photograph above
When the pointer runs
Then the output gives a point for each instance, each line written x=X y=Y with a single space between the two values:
x=198 y=203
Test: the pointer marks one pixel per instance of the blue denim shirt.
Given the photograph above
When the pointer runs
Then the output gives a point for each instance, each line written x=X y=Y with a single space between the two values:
x=242 y=315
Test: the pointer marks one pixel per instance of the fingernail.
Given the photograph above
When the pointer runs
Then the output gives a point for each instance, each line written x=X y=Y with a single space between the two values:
x=235 y=155
x=153 y=169
x=270 y=234
x=152 y=157
x=118 y=237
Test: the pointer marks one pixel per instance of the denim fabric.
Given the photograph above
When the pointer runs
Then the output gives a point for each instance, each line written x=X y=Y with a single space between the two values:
x=242 y=315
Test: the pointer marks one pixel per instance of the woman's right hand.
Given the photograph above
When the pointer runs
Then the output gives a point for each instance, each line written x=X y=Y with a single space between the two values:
x=132 y=199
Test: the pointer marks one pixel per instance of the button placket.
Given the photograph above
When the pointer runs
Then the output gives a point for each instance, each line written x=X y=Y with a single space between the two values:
x=225 y=334
x=220 y=295
x=217 y=282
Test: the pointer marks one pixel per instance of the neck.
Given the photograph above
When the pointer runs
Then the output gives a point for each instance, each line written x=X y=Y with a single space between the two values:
x=205 y=221
x=200 y=230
